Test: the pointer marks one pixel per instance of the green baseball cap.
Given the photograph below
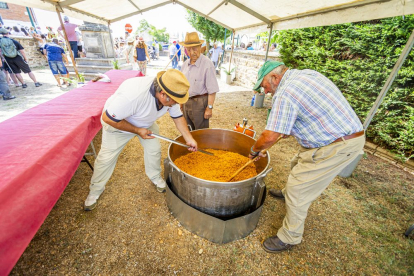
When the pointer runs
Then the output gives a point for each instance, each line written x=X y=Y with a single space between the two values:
x=267 y=67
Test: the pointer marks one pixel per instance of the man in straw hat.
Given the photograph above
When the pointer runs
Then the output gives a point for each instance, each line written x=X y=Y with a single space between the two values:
x=308 y=106
x=132 y=111
x=201 y=74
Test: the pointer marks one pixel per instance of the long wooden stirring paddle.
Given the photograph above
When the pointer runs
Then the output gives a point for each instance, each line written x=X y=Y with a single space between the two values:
x=251 y=161
x=244 y=166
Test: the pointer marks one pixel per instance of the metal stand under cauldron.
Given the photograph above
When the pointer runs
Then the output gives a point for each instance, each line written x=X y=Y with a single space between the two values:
x=211 y=228
x=218 y=211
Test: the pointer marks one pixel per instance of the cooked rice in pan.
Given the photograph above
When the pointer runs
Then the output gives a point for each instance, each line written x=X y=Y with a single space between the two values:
x=219 y=167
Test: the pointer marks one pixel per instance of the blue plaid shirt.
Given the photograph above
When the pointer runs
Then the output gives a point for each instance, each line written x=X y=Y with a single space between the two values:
x=310 y=107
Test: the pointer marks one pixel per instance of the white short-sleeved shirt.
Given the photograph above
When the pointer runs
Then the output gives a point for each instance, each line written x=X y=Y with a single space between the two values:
x=135 y=102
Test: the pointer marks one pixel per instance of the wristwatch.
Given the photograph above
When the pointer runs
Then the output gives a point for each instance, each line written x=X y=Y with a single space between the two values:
x=210 y=106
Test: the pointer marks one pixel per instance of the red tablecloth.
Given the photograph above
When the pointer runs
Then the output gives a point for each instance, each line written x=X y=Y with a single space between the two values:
x=40 y=150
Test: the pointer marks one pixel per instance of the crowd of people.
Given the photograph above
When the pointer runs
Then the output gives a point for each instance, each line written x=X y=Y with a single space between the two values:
x=263 y=47
x=50 y=44
x=13 y=61
x=136 y=51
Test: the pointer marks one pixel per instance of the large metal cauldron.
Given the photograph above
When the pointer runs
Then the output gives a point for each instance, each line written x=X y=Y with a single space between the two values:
x=219 y=199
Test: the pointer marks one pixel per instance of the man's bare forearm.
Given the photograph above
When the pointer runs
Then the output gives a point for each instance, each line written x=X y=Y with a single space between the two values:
x=266 y=140
x=23 y=54
x=181 y=125
x=211 y=98
x=123 y=125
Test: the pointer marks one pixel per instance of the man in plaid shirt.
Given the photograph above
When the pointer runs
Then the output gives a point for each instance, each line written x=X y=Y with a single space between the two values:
x=308 y=106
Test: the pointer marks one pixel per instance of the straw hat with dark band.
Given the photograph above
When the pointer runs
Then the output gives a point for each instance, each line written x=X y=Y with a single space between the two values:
x=175 y=84
x=191 y=39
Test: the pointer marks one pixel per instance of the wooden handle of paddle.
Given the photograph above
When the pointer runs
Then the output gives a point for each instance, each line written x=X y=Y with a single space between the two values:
x=254 y=159
x=245 y=165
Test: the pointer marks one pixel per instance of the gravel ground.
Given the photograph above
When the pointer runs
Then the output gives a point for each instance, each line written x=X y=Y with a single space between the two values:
x=354 y=228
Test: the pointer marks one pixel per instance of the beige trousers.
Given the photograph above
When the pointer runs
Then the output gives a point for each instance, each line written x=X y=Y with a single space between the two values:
x=312 y=171
x=113 y=141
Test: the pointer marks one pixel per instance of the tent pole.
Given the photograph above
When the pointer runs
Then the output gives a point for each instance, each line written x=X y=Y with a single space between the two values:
x=232 y=48
x=112 y=41
x=268 y=41
x=67 y=42
x=30 y=17
x=224 y=46
x=390 y=80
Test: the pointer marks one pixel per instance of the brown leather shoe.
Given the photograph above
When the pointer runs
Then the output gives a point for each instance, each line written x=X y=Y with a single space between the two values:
x=275 y=245
x=276 y=193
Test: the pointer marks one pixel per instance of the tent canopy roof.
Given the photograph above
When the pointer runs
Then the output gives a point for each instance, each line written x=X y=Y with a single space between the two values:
x=237 y=14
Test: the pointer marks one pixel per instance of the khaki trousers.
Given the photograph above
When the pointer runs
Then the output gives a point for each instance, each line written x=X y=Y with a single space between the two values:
x=312 y=172
x=113 y=141
x=194 y=110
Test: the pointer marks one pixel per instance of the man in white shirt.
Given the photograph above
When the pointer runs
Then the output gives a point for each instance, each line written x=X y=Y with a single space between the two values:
x=173 y=50
x=132 y=111
x=215 y=54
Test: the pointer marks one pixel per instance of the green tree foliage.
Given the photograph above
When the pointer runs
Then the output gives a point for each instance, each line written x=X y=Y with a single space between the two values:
x=158 y=34
x=143 y=26
x=358 y=58
x=210 y=30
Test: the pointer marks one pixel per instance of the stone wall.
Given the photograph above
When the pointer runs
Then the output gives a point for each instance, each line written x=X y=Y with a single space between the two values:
x=248 y=63
x=30 y=45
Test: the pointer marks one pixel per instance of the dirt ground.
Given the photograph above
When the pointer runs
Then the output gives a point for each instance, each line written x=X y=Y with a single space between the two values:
x=355 y=228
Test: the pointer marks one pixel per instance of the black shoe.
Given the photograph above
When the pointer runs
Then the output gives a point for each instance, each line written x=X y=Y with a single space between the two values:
x=24 y=85
x=276 y=193
x=275 y=245
x=9 y=98
x=37 y=84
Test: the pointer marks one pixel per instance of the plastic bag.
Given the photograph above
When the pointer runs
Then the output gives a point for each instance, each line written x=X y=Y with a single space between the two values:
x=102 y=78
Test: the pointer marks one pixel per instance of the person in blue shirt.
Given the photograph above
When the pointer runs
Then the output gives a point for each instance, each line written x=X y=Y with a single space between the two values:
x=55 y=55
x=179 y=52
x=250 y=46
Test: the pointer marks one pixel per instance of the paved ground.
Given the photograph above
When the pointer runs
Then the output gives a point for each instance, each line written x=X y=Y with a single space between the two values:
x=33 y=96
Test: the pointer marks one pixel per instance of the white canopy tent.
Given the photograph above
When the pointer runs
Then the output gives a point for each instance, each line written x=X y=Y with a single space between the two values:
x=246 y=15
x=237 y=14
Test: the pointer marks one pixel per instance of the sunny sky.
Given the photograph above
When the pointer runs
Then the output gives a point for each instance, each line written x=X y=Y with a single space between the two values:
x=173 y=17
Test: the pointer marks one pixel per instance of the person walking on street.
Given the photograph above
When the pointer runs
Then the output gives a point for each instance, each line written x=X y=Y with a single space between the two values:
x=173 y=56
x=308 y=106
x=215 y=53
x=157 y=49
x=4 y=87
x=201 y=74
x=15 y=58
x=132 y=111
x=71 y=33
x=10 y=77
x=141 y=55
x=178 y=46
x=55 y=55
x=129 y=52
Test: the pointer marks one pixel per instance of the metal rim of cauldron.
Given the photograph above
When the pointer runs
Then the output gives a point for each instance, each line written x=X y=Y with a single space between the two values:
x=216 y=183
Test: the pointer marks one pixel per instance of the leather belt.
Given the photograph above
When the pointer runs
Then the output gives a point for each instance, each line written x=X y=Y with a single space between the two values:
x=350 y=136
x=197 y=96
